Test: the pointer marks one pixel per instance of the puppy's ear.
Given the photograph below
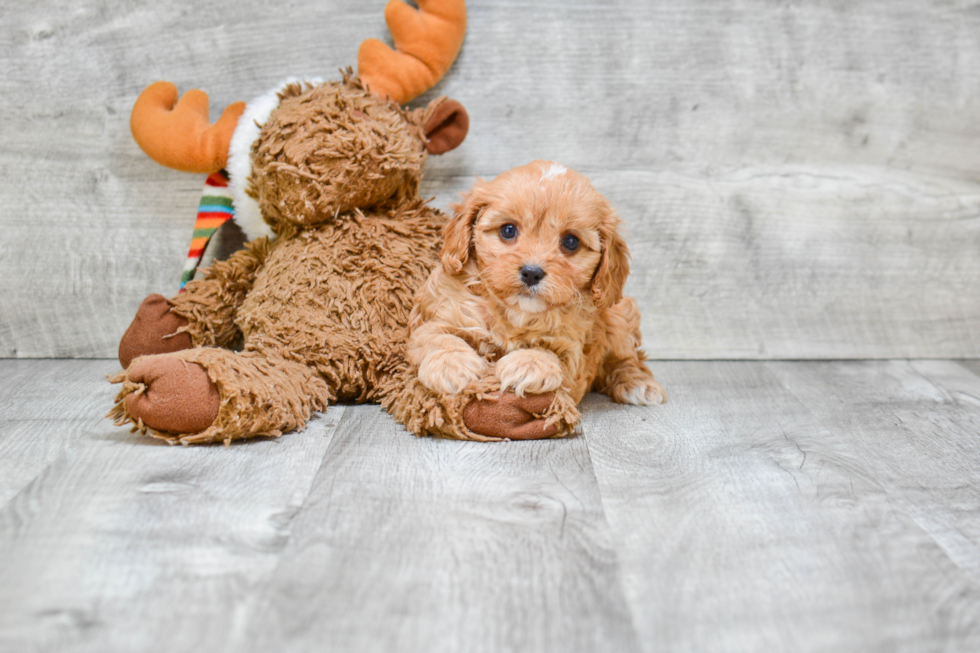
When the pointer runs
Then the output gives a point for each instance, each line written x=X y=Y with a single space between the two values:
x=459 y=231
x=614 y=266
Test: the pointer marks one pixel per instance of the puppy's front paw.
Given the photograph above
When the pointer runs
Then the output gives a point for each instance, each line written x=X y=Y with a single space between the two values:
x=534 y=371
x=449 y=371
x=640 y=391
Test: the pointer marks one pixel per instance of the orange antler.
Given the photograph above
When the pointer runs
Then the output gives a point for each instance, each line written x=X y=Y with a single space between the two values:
x=178 y=134
x=427 y=42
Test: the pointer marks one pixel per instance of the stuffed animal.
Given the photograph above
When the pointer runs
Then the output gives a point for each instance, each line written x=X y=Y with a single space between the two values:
x=325 y=177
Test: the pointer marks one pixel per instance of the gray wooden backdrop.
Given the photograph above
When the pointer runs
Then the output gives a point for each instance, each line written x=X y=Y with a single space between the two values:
x=799 y=179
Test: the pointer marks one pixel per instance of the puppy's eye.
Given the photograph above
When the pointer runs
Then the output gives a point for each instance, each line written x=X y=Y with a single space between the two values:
x=508 y=231
x=570 y=242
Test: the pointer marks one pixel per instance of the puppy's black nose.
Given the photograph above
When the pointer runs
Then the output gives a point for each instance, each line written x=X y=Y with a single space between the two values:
x=531 y=275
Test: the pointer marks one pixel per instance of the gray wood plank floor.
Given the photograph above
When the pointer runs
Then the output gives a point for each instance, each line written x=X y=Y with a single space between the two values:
x=829 y=506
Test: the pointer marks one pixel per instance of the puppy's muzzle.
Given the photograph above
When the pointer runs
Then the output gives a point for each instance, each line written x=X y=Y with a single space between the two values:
x=531 y=275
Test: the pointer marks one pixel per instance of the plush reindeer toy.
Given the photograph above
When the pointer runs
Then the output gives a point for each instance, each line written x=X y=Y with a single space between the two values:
x=325 y=178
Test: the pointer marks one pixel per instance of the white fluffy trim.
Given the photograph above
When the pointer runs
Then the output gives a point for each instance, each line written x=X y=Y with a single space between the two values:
x=257 y=111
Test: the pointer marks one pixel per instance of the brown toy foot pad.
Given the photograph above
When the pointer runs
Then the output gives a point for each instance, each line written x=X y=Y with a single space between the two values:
x=177 y=396
x=153 y=331
x=505 y=415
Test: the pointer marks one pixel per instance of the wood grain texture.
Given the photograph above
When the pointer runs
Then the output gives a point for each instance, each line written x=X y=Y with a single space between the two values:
x=921 y=444
x=768 y=506
x=61 y=400
x=797 y=506
x=120 y=543
x=799 y=179
x=438 y=545
x=972 y=364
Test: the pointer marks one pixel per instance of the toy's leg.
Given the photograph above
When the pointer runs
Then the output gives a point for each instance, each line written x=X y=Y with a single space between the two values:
x=505 y=415
x=244 y=394
x=154 y=331
x=480 y=411
x=168 y=394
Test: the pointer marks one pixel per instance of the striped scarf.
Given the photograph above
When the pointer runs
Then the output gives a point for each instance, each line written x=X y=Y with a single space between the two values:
x=214 y=210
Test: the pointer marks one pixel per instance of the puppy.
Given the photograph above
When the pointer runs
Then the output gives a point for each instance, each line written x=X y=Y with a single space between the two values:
x=530 y=289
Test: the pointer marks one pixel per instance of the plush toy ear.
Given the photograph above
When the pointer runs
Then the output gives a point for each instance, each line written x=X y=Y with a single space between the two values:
x=459 y=230
x=614 y=267
x=445 y=126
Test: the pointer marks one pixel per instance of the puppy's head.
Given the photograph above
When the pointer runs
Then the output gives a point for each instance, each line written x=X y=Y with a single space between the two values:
x=538 y=237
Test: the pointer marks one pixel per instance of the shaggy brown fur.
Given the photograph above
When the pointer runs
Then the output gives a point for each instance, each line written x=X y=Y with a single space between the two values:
x=332 y=148
x=322 y=311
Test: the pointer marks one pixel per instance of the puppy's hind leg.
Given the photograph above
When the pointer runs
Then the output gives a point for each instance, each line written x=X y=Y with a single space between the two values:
x=624 y=376
x=632 y=382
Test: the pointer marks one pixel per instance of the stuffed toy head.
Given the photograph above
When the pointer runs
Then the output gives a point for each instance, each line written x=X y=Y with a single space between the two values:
x=333 y=147
x=309 y=150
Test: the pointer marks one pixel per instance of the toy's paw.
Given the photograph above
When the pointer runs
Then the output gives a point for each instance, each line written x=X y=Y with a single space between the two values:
x=447 y=371
x=643 y=391
x=153 y=331
x=529 y=371
x=177 y=396
x=506 y=415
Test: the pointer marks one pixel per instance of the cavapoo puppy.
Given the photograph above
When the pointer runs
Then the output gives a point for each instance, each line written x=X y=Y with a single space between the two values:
x=531 y=290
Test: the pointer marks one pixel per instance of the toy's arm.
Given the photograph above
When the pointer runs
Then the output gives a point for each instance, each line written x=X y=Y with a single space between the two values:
x=203 y=315
x=210 y=305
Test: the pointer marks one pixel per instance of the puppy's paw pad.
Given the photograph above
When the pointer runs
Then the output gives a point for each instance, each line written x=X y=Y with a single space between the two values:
x=640 y=392
x=532 y=371
x=448 y=372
